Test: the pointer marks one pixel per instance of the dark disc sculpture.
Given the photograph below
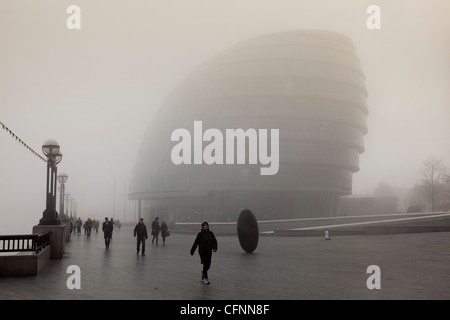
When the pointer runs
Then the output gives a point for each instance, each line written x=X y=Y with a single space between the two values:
x=247 y=229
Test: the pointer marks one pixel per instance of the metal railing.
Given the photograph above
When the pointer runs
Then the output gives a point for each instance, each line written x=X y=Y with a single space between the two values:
x=25 y=242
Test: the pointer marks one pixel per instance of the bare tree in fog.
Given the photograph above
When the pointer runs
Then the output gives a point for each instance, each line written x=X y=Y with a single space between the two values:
x=434 y=174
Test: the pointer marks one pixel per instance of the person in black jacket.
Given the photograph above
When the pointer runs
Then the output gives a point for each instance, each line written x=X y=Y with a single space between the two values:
x=107 y=231
x=164 y=229
x=88 y=227
x=207 y=243
x=141 y=231
x=155 y=230
x=111 y=226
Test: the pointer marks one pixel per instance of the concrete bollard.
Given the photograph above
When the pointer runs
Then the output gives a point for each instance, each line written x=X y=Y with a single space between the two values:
x=57 y=238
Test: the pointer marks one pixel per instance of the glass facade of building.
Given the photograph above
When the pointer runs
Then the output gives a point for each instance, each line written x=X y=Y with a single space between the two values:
x=307 y=84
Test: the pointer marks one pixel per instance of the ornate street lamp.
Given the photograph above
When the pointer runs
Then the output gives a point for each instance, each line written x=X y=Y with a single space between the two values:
x=52 y=151
x=62 y=178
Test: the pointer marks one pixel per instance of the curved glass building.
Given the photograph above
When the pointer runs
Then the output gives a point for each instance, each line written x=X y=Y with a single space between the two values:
x=307 y=84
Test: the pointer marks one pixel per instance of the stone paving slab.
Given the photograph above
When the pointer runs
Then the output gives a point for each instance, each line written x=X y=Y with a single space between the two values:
x=413 y=266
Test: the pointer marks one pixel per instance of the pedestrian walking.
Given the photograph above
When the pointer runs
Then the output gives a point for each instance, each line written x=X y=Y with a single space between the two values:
x=78 y=224
x=96 y=225
x=164 y=232
x=111 y=223
x=107 y=231
x=207 y=244
x=88 y=227
x=140 y=232
x=155 y=230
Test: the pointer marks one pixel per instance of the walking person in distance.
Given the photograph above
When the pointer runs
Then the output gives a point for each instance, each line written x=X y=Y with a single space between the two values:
x=207 y=244
x=78 y=224
x=141 y=232
x=111 y=226
x=88 y=227
x=164 y=232
x=107 y=232
x=155 y=230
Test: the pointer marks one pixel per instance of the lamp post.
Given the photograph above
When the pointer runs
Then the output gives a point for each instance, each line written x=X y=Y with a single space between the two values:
x=62 y=178
x=71 y=208
x=66 y=200
x=52 y=151
x=50 y=222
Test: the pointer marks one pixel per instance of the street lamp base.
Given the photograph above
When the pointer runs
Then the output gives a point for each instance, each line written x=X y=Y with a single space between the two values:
x=49 y=218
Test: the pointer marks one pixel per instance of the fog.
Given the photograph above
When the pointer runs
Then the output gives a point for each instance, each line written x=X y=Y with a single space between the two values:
x=95 y=90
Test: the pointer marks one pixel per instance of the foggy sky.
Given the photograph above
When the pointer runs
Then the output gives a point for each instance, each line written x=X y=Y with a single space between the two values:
x=95 y=90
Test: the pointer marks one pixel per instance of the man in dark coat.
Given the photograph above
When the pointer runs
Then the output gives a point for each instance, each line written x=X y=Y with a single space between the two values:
x=111 y=224
x=107 y=231
x=155 y=230
x=88 y=227
x=141 y=232
x=207 y=243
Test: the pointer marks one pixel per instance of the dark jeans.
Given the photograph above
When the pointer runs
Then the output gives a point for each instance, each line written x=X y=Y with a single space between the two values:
x=206 y=261
x=107 y=239
x=139 y=241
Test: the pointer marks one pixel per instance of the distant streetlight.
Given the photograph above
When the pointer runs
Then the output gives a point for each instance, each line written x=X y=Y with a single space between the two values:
x=66 y=200
x=52 y=151
x=71 y=207
x=62 y=178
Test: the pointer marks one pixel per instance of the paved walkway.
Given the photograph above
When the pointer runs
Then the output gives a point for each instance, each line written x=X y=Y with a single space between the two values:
x=413 y=266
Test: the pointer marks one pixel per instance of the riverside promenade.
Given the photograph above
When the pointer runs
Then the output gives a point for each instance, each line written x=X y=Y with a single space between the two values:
x=413 y=266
